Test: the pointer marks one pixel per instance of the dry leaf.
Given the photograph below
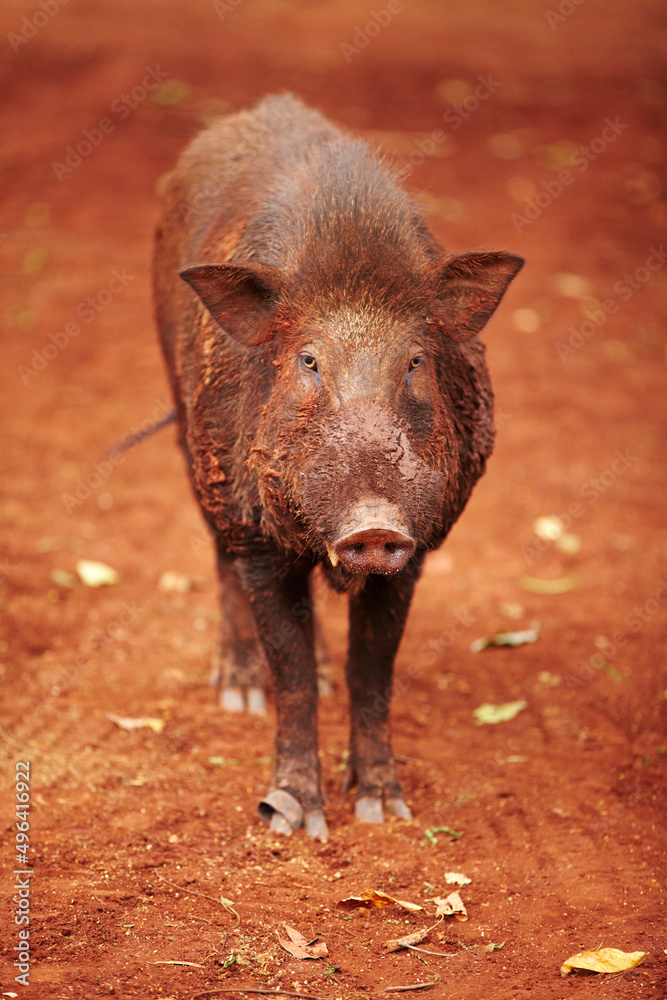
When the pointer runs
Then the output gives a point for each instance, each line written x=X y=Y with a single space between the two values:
x=298 y=947
x=548 y=528
x=490 y=715
x=604 y=960
x=174 y=583
x=519 y=638
x=572 y=286
x=410 y=939
x=379 y=895
x=452 y=906
x=375 y=897
x=568 y=543
x=96 y=574
x=493 y=946
x=157 y=725
x=457 y=878
x=171 y=92
x=536 y=586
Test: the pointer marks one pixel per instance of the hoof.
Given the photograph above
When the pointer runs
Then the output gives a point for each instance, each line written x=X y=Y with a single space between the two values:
x=398 y=807
x=316 y=826
x=279 y=824
x=231 y=699
x=281 y=811
x=368 y=810
x=256 y=701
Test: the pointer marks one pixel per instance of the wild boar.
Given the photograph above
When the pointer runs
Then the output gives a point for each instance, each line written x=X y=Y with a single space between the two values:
x=334 y=408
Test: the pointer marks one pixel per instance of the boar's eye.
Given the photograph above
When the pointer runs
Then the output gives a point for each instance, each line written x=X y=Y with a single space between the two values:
x=309 y=362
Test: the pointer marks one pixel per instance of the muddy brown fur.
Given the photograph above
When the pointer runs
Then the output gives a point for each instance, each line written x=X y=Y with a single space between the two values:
x=334 y=407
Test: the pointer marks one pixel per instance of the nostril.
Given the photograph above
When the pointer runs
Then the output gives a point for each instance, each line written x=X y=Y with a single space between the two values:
x=374 y=550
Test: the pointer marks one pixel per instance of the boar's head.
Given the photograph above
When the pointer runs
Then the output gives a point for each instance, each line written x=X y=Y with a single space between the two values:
x=376 y=409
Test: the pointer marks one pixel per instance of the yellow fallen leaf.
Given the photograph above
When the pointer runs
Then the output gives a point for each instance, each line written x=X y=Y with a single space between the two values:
x=375 y=897
x=507 y=638
x=96 y=574
x=490 y=715
x=174 y=583
x=572 y=286
x=604 y=960
x=568 y=543
x=453 y=91
x=171 y=92
x=548 y=528
x=550 y=587
x=493 y=946
x=404 y=903
x=166 y=961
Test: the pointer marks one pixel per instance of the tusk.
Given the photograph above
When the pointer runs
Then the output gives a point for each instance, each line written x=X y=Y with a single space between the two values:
x=333 y=558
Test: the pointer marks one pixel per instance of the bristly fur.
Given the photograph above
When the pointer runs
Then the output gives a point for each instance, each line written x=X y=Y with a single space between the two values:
x=333 y=404
x=289 y=194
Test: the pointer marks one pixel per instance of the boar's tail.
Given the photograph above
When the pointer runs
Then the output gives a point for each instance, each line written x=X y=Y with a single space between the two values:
x=141 y=434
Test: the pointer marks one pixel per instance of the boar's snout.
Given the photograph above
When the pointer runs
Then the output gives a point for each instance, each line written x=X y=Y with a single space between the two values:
x=374 y=539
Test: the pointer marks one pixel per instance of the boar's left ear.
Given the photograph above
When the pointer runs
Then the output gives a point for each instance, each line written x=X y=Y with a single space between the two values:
x=470 y=287
x=239 y=297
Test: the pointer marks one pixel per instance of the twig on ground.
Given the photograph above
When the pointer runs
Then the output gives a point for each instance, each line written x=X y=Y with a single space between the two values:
x=193 y=892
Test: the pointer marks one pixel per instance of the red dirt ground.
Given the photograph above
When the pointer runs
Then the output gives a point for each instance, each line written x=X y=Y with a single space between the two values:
x=135 y=836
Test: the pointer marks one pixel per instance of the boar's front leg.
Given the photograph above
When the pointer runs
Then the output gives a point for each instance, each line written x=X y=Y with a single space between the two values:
x=377 y=619
x=280 y=599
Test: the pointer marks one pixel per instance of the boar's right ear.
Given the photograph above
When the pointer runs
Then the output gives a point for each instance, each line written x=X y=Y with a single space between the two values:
x=471 y=285
x=239 y=297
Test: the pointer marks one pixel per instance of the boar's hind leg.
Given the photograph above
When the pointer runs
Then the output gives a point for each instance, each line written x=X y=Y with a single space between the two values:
x=280 y=601
x=377 y=619
x=239 y=667
x=324 y=685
